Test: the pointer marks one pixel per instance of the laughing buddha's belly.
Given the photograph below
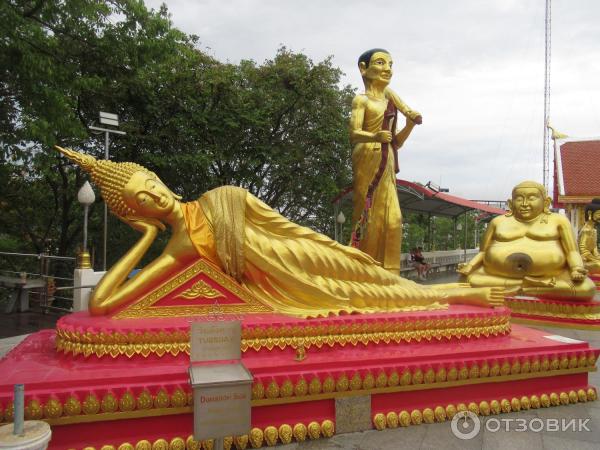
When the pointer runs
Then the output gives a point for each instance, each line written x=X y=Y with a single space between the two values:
x=525 y=257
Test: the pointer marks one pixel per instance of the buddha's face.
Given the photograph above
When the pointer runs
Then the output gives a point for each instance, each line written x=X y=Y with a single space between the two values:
x=147 y=196
x=527 y=203
x=379 y=69
x=596 y=216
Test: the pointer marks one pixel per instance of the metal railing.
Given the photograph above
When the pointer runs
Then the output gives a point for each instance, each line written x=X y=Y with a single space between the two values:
x=56 y=273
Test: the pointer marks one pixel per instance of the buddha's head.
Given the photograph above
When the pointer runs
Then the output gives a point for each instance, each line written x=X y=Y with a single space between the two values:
x=529 y=200
x=592 y=211
x=375 y=66
x=128 y=189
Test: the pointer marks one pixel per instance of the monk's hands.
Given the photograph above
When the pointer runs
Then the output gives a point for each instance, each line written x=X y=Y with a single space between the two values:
x=383 y=136
x=578 y=273
x=144 y=224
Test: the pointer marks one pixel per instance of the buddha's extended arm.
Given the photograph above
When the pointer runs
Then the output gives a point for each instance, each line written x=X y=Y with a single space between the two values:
x=478 y=258
x=567 y=238
x=401 y=106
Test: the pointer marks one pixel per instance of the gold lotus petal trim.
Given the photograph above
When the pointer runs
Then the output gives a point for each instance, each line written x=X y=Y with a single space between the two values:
x=162 y=343
x=270 y=436
x=146 y=403
x=355 y=383
x=439 y=413
x=554 y=310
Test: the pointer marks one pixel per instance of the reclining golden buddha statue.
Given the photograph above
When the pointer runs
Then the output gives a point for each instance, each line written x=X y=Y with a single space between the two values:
x=290 y=268
x=530 y=251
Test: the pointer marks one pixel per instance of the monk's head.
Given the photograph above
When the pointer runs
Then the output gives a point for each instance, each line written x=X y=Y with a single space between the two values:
x=592 y=211
x=529 y=200
x=375 y=65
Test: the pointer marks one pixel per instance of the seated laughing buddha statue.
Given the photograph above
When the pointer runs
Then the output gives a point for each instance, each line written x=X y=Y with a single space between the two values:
x=530 y=251
x=292 y=269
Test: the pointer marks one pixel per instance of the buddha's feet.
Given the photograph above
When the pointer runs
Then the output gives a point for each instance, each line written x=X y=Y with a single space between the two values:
x=539 y=282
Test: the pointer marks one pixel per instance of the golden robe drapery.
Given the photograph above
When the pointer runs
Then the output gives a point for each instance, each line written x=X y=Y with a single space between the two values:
x=382 y=238
x=292 y=268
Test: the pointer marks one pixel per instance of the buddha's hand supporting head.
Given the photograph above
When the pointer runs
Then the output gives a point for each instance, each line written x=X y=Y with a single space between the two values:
x=143 y=224
x=529 y=200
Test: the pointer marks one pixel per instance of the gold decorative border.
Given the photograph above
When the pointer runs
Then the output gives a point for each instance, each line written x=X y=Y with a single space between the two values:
x=93 y=406
x=285 y=433
x=354 y=383
x=257 y=437
x=555 y=310
x=555 y=324
x=130 y=344
x=90 y=407
x=405 y=418
x=144 y=308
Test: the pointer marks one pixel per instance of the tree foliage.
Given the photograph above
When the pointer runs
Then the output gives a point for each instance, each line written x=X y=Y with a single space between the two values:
x=278 y=128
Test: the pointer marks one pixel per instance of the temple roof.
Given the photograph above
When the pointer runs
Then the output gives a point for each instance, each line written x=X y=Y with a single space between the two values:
x=577 y=175
x=419 y=198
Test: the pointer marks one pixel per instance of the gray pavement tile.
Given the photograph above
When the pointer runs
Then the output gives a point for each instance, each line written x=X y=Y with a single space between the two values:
x=401 y=437
x=580 y=411
x=440 y=435
x=552 y=442
x=501 y=440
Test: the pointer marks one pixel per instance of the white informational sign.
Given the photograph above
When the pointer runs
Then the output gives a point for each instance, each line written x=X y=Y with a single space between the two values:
x=222 y=395
x=214 y=341
x=222 y=389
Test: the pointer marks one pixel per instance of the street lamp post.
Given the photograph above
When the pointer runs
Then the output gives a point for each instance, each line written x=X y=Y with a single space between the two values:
x=113 y=120
x=86 y=197
x=341 y=219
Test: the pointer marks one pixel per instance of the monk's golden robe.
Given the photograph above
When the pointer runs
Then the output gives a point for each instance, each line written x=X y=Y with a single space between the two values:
x=291 y=268
x=588 y=247
x=382 y=238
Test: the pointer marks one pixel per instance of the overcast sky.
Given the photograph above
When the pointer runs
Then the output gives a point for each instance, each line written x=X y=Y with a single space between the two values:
x=473 y=68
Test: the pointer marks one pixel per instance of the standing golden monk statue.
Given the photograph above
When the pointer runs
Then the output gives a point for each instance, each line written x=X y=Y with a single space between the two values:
x=290 y=268
x=588 y=237
x=376 y=218
x=530 y=251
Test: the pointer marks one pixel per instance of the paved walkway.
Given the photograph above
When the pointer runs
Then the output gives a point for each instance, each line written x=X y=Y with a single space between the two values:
x=434 y=436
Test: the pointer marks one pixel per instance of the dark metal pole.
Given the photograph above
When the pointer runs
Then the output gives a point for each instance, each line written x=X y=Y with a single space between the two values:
x=454 y=235
x=465 y=237
x=106 y=144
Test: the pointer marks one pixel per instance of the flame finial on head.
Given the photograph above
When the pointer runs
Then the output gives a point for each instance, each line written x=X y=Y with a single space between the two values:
x=109 y=176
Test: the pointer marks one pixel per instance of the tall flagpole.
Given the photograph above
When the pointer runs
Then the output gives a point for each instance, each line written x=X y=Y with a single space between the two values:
x=546 y=149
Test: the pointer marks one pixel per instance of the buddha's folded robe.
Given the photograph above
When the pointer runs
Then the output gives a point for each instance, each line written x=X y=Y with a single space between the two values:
x=292 y=268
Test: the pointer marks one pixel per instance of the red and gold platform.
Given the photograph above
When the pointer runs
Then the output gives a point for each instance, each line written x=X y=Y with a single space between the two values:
x=596 y=279
x=555 y=313
x=123 y=383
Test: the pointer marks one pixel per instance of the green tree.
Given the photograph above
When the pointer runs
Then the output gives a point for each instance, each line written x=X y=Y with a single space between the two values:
x=277 y=128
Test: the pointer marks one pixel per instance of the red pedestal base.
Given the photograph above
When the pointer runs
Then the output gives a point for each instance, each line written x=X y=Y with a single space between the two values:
x=113 y=399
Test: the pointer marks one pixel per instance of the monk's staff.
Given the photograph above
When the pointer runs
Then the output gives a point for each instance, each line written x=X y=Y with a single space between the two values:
x=389 y=116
